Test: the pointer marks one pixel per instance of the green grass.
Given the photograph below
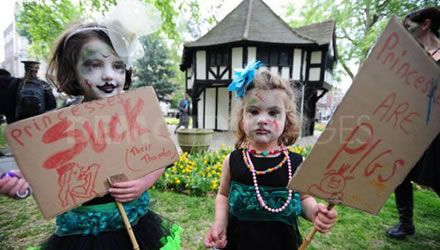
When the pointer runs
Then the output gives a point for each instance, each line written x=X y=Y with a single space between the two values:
x=21 y=224
x=2 y=137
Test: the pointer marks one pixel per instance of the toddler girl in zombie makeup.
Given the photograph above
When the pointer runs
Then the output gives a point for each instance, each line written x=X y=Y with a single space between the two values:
x=253 y=207
x=94 y=61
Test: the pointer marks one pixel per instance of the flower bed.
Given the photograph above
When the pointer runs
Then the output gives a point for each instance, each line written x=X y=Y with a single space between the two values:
x=199 y=173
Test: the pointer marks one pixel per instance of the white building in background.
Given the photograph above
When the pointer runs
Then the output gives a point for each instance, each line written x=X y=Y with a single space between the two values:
x=14 y=50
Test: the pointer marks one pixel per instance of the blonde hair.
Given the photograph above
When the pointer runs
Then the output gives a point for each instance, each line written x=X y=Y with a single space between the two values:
x=267 y=81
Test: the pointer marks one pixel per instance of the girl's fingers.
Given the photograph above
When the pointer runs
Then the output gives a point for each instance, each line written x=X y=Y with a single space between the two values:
x=124 y=197
x=21 y=186
x=114 y=190
x=17 y=187
x=124 y=184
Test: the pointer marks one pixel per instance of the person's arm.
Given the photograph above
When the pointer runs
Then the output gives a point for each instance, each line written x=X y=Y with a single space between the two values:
x=216 y=236
x=130 y=190
x=317 y=213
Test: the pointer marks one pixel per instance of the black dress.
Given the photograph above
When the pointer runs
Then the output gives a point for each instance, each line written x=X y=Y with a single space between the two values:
x=427 y=170
x=273 y=235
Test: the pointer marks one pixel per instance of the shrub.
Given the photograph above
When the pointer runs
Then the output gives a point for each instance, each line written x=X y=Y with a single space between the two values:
x=199 y=173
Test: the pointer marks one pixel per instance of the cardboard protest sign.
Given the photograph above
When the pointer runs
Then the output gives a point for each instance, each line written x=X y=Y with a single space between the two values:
x=387 y=119
x=67 y=155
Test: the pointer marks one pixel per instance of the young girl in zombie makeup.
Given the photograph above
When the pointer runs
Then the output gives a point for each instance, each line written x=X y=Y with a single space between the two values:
x=93 y=60
x=253 y=207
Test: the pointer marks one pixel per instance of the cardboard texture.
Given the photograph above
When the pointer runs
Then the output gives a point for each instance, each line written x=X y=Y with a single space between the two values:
x=387 y=119
x=68 y=154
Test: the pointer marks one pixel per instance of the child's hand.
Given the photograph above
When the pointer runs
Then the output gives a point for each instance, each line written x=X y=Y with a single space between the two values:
x=216 y=237
x=323 y=219
x=128 y=190
x=13 y=185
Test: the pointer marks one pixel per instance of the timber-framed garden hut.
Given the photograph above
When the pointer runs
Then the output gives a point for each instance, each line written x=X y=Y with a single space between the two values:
x=304 y=55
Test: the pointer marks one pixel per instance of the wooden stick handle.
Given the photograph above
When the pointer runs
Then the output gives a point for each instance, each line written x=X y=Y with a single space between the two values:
x=312 y=232
x=126 y=223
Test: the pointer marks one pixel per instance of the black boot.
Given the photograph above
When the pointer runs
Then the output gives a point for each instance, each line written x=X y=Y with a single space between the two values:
x=405 y=205
x=400 y=231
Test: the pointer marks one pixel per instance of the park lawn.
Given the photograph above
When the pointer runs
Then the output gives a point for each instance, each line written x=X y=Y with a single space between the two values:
x=21 y=224
x=2 y=137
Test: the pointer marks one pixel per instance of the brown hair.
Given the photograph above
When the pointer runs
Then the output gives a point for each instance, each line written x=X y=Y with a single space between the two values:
x=266 y=81
x=62 y=66
x=431 y=13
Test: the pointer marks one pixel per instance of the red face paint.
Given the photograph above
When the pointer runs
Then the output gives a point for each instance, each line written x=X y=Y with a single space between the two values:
x=276 y=124
x=259 y=97
x=88 y=84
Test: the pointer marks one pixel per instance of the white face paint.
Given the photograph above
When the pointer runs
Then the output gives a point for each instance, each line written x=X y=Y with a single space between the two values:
x=264 y=117
x=413 y=28
x=101 y=73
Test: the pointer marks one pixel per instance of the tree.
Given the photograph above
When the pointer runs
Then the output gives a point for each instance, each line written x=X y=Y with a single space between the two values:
x=41 y=23
x=156 y=68
x=358 y=23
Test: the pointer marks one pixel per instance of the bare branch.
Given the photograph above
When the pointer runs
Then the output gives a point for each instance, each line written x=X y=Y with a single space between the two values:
x=346 y=68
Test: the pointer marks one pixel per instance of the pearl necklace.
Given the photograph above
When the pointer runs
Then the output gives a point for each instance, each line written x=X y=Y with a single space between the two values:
x=248 y=161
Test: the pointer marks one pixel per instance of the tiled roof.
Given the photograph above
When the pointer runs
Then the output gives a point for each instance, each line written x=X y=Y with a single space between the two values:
x=251 y=20
x=322 y=33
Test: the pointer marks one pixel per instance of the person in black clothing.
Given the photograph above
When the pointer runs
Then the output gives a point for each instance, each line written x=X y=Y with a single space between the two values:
x=5 y=78
x=424 y=25
x=4 y=72
x=184 y=107
x=10 y=87
x=31 y=69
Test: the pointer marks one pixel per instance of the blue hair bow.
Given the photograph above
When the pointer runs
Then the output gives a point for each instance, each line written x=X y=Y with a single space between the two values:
x=243 y=78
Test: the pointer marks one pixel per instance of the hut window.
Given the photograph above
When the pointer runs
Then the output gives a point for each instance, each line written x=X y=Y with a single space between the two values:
x=218 y=58
x=284 y=58
x=273 y=56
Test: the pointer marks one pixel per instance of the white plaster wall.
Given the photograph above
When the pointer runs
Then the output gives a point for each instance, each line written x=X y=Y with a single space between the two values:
x=200 y=111
x=314 y=74
x=304 y=68
x=252 y=53
x=237 y=58
x=328 y=77
x=316 y=57
x=190 y=75
x=223 y=109
x=296 y=64
x=285 y=72
x=210 y=75
x=234 y=101
x=226 y=75
x=201 y=64
x=210 y=108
